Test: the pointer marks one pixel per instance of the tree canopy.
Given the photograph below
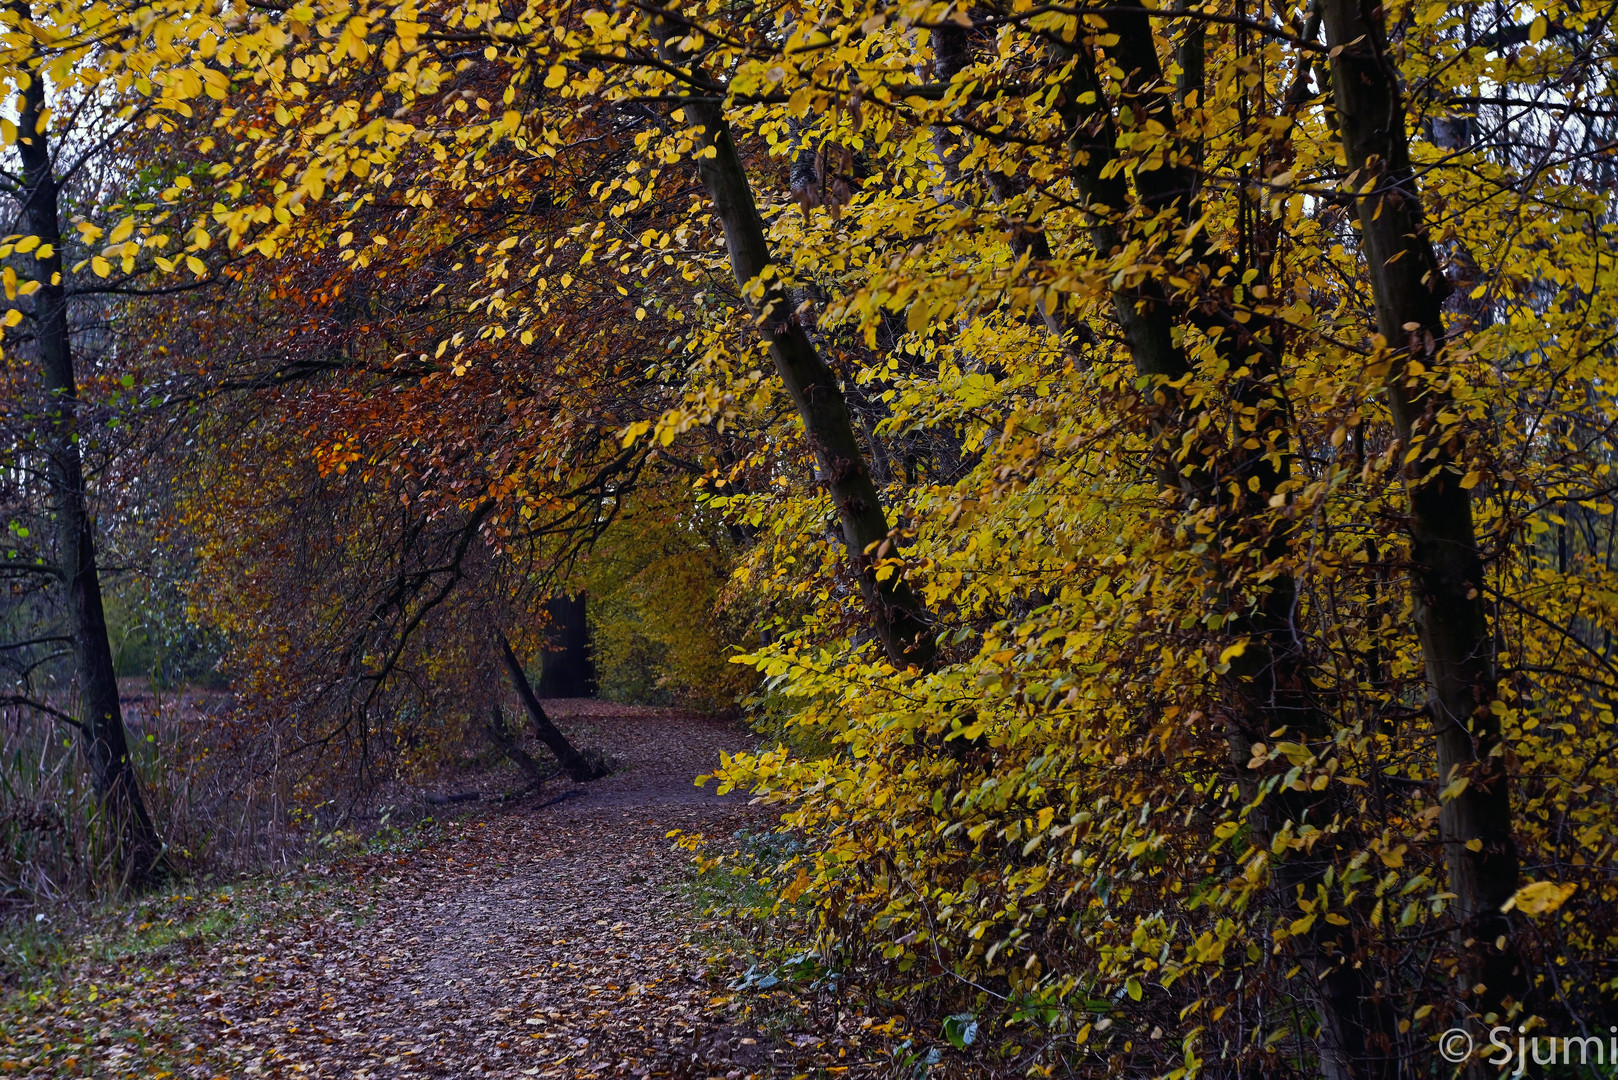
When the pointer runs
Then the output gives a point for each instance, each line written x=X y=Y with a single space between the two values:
x=1151 y=466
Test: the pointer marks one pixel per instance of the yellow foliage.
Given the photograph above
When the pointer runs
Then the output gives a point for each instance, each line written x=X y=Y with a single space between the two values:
x=1178 y=755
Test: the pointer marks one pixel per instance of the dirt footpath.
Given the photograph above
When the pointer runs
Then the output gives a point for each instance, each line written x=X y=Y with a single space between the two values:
x=548 y=936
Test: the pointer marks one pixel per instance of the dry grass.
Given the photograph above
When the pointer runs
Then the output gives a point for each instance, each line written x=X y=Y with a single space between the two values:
x=219 y=798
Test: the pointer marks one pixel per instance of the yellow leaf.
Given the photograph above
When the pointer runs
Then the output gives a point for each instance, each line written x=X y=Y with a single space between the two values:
x=1537 y=30
x=196 y=266
x=555 y=77
x=1539 y=897
x=1471 y=480
x=122 y=230
x=101 y=266
x=1232 y=651
x=635 y=431
x=799 y=884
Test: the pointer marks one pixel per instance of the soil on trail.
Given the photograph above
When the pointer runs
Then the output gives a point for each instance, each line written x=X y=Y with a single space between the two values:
x=544 y=940
x=542 y=937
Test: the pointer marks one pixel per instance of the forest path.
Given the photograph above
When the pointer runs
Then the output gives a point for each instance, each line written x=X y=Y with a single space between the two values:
x=543 y=937
x=547 y=938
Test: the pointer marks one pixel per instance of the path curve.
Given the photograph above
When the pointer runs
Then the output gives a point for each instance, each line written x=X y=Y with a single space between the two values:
x=543 y=938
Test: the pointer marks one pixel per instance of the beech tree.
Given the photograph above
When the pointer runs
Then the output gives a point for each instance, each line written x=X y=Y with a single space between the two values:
x=1168 y=446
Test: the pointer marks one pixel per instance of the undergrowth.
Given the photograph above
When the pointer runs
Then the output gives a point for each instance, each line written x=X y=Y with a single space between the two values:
x=780 y=975
x=155 y=927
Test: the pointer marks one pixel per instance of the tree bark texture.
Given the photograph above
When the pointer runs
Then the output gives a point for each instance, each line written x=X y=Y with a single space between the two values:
x=1268 y=683
x=577 y=766
x=103 y=739
x=505 y=740
x=1409 y=289
x=900 y=619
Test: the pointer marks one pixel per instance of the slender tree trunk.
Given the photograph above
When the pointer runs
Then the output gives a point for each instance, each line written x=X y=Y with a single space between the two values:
x=951 y=55
x=1268 y=683
x=505 y=740
x=103 y=739
x=575 y=764
x=901 y=620
x=1191 y=54
x=1409 y=289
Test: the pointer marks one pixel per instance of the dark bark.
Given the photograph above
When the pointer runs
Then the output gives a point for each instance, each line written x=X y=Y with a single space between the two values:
x=1268 y=683
x=566 y=668
x=1409 y=289
x=1191 y=54
x=103 y=740
x=1143 y=312
x=505 y=740
x=1303 y=83
x=951 y=55
x=577 y=766
x=901 y=621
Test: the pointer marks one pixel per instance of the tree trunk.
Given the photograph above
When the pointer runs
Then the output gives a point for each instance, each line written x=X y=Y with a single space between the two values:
x=103 y=739
x=1268 y=683
x=1409 y=289
x=575 y=764
x=901 y=621
x=951 y=55
x=505 y=740
x=566 y=668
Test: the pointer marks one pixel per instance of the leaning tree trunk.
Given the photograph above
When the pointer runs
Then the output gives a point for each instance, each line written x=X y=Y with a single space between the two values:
x=575 y=764
x=505 y=740
x=1409 y=289
x=900 y=619
x=103 y=740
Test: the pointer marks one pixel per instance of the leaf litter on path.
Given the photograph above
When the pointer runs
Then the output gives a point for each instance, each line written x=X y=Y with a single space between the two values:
x=540 y=938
